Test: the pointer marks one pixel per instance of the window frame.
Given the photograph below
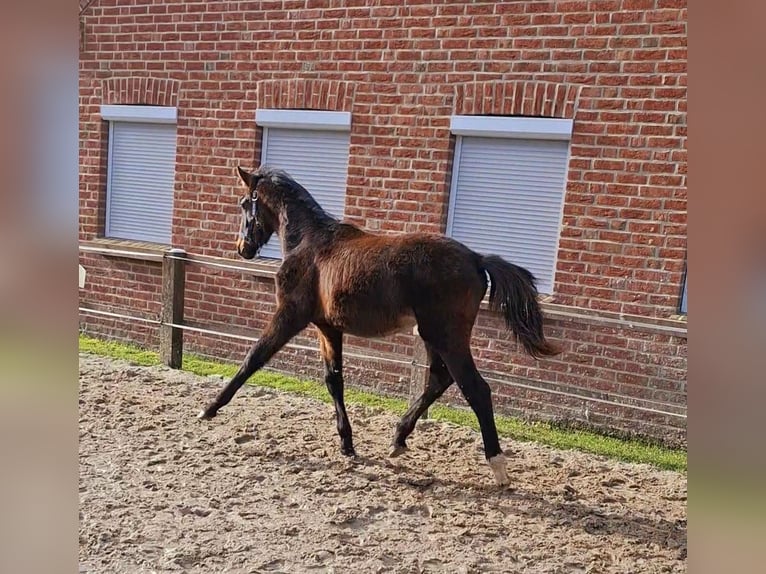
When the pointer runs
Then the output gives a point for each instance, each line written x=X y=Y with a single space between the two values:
x=506 y=127
x=128 y=113
x=292 y=119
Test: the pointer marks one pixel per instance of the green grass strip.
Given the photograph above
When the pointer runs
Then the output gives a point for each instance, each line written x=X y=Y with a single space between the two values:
x=540 y=432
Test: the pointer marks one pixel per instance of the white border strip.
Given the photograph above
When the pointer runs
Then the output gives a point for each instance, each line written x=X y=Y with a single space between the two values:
x=150 y=114
x=453 y=186
x=303 y=119
x=512 y=127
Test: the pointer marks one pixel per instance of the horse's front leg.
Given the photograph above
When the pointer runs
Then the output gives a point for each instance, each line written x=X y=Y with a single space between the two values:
x=283 y=327
x=331 y=347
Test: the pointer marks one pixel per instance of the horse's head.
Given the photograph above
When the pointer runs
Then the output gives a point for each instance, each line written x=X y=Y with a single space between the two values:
x=258 y=223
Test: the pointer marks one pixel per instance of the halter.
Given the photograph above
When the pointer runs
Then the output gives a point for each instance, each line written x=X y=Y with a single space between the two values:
x=253 y=213
x=253 y=203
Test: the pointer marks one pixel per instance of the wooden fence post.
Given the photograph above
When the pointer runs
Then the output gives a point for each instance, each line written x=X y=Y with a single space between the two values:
x=173 y=282
x=419 y=376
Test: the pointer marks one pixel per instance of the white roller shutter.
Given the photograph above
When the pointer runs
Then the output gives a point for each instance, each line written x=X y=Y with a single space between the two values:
x=140 y=181
x=506 y=199
x=315 y=158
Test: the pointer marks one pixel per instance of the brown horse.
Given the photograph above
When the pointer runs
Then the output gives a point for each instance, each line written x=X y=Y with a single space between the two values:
x=345 y=280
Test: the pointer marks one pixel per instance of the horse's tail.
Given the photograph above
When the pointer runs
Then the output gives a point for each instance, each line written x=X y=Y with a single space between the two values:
x=513 y=294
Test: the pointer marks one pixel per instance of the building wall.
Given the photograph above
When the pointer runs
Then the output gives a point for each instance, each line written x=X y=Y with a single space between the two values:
x=616 y=67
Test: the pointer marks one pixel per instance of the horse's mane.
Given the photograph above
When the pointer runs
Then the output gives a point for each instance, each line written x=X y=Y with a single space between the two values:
x=293 y=192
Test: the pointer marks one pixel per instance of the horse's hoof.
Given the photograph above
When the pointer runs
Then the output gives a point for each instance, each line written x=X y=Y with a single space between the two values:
x=498 y=465
x=349 y=452
x=396 y=450
x=206 y=414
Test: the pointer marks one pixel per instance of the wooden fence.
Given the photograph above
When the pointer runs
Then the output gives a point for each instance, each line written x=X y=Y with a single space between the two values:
x=171 y=327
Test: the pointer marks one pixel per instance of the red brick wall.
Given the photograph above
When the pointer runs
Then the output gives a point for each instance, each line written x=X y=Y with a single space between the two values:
x=122 y=286
x=617 y=67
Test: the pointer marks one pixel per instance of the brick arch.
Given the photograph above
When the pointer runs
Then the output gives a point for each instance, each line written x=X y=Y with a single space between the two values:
x=517 y=98
x=300 y=93
x=141 y=90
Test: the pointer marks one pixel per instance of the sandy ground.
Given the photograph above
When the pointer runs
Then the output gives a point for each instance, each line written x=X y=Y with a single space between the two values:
x=263 y=488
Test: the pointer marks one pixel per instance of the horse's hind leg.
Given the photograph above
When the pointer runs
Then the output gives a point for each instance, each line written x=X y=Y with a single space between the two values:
x=283 y=327
x=477 y=392
x=331 y=347
x=439 y=380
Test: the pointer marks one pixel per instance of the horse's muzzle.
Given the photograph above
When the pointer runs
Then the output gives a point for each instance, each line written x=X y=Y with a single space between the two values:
x=246 y=249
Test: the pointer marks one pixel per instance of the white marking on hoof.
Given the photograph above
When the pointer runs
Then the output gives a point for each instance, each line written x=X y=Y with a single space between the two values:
x=201 y=415
x=498 y=465
x=396 y=450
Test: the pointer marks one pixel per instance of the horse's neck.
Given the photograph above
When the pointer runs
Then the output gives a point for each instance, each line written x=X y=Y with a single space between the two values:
x=299 y=223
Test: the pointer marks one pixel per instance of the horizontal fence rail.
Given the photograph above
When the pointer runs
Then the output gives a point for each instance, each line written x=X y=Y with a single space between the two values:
x=207 y=331
x=171 y=326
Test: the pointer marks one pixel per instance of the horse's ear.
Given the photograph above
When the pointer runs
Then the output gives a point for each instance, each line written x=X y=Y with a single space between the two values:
x=246 y=177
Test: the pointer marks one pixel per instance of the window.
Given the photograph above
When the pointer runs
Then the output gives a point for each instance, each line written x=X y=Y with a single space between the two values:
x=683 y=295
x=312 y=146
x=507 y=193
x=140 y=172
